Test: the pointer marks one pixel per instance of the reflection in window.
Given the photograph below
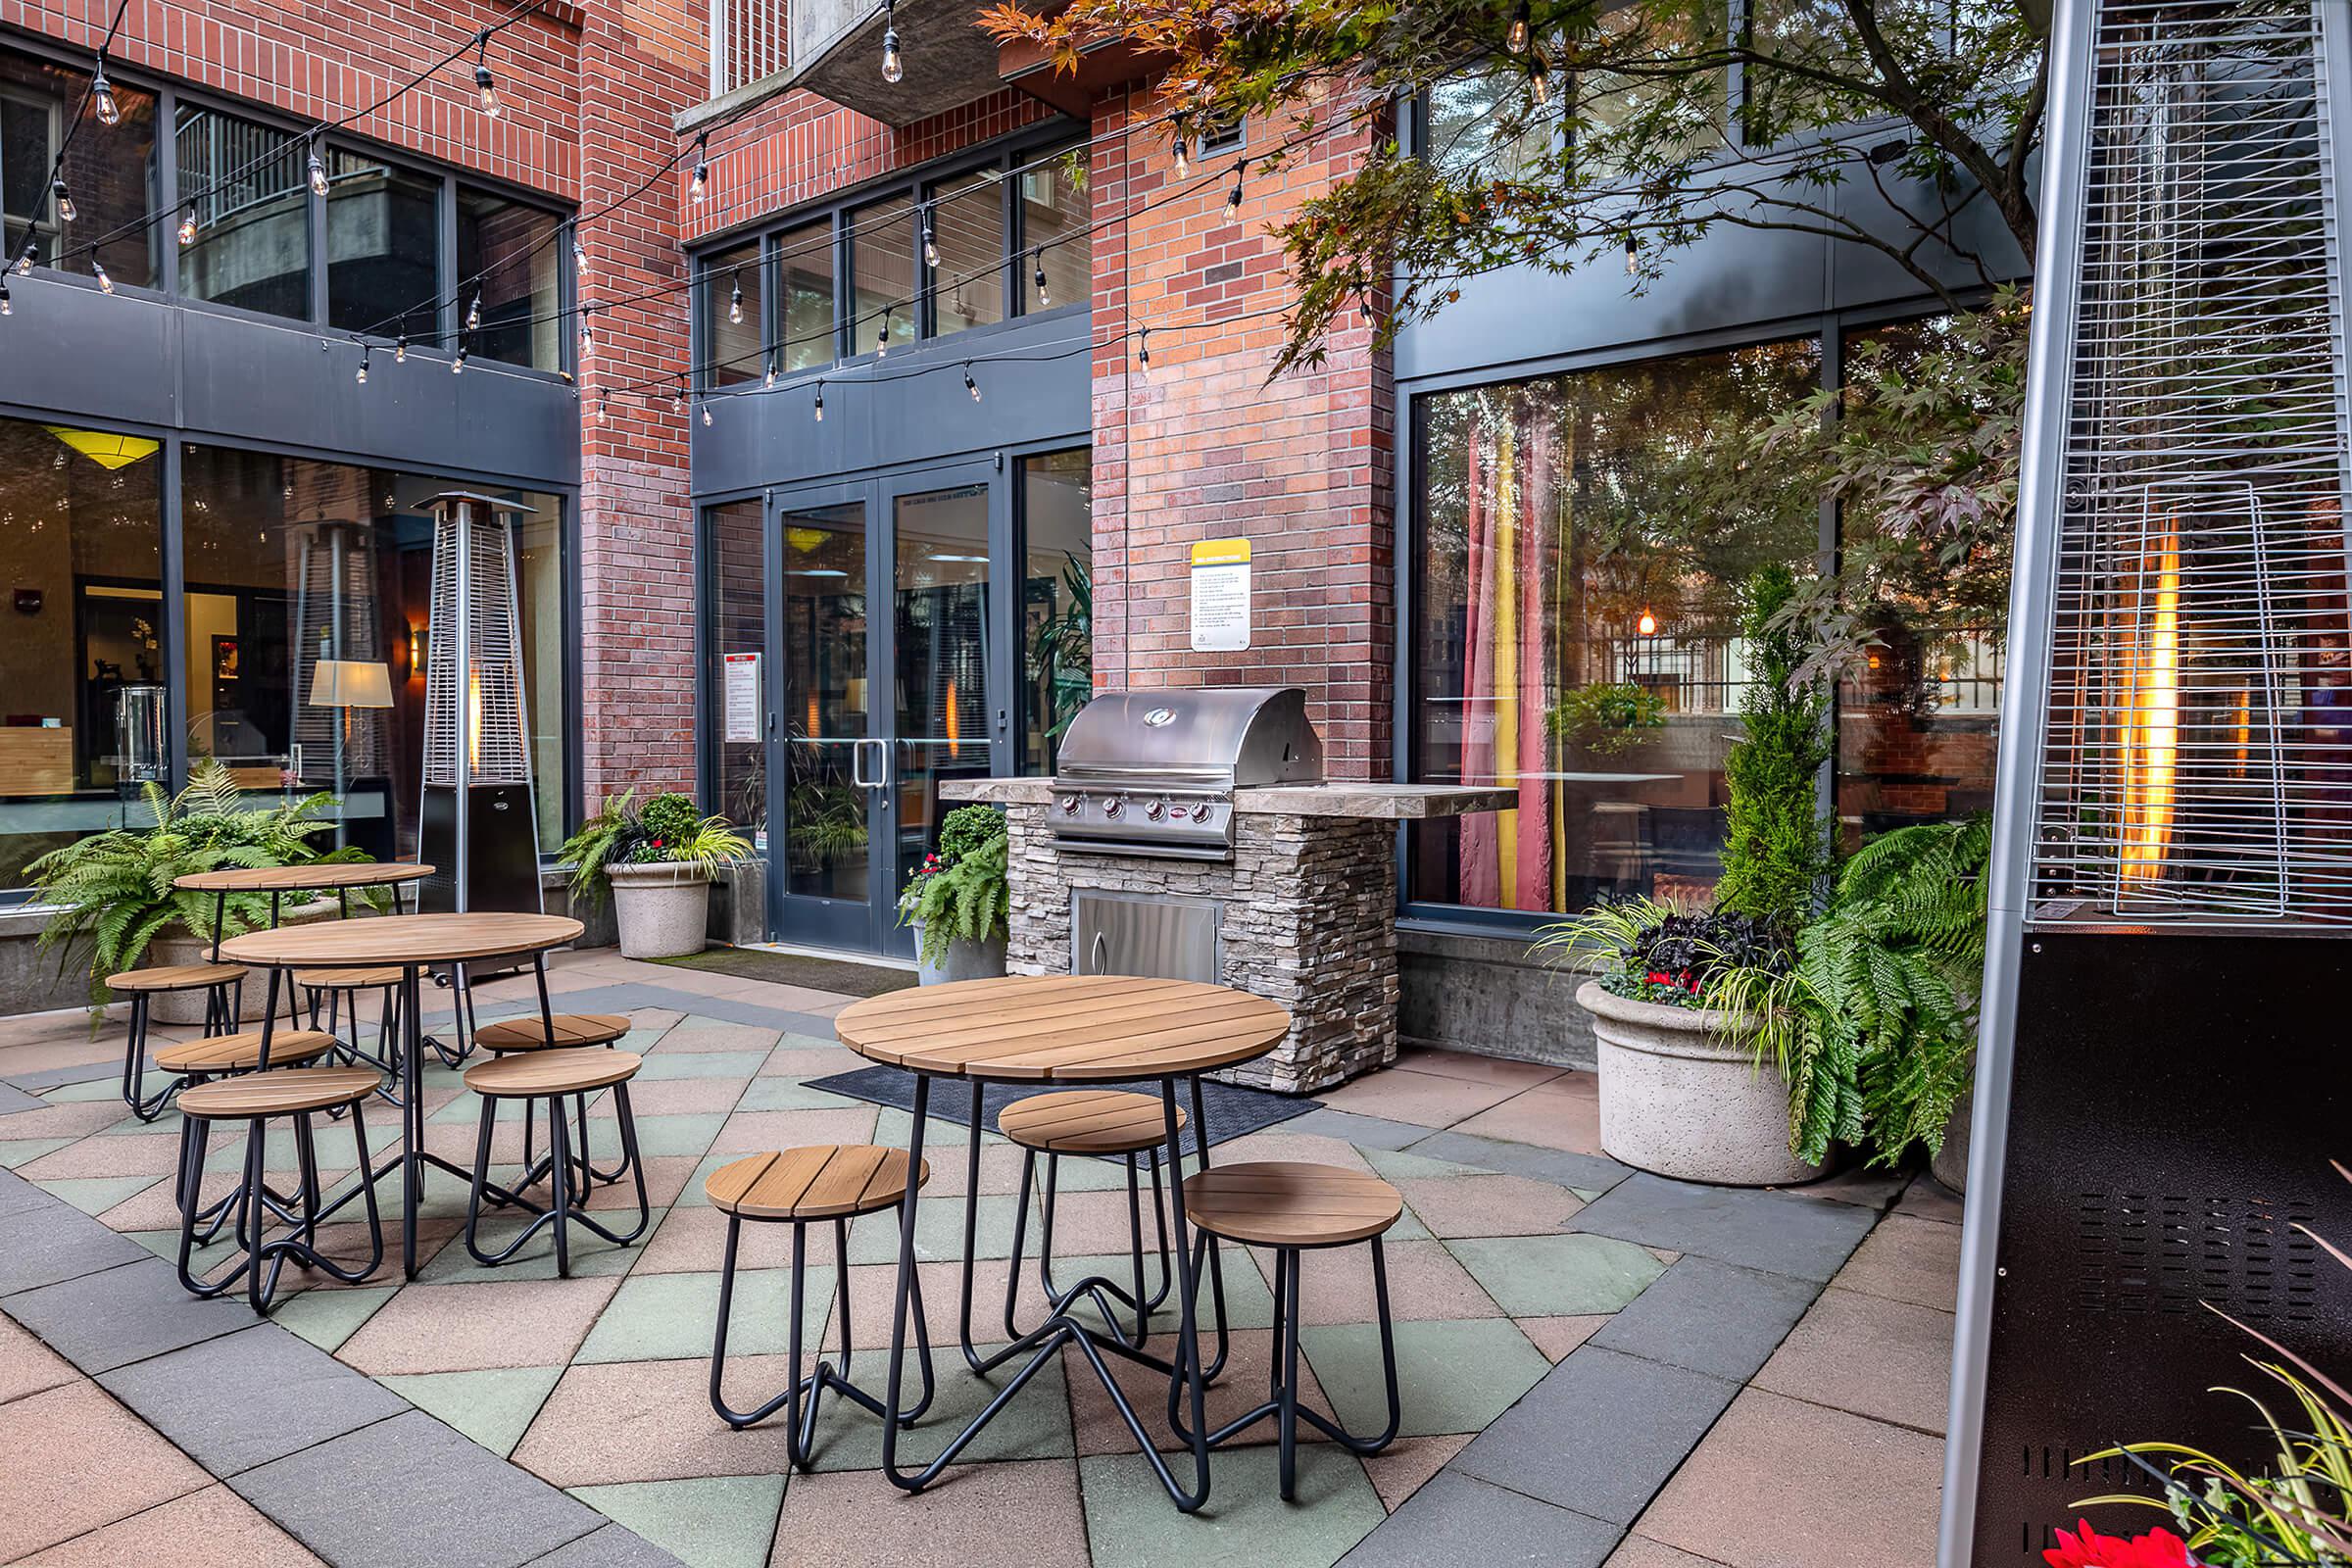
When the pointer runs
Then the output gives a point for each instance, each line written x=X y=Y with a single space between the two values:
x=1479 y=128
x=248 y=190
x=942 y=638
x=825 y=696
x=384 y=243
x=1561 y=565
x=734 y=307
x=83 y=720
x=805 y=265
x=507 y=251
x=882 y=272
x=1682 y=112
x=1054 y=230
x=110 y=170
x=1058 y=609
x=967 y=226
x=734 y=648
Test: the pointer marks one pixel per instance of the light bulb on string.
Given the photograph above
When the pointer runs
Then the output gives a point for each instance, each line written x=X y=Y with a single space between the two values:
x=1143 y=347
x=770 y=378
x=970 y=385
x=706 y=412
x=483 y=81
x=579 y=261
x=188 y=226
x=24 y=260
x=1184 y=158
x=1633 y=255
x=699 y=187
x=1516 y=40
x=473 y=312
x=362 y=378
x=882 y=334
x=587 y=333
x=930 y=245
x=821 y=402
x=317 y=172
x=106 y=284
x=603 y=403
x=456 y=366
x=1233 y=199
x=894 y=69
x=6 y=308
x=101 y=94
x=400 y=348
x=1044 y=297
x=67 y=211
x=735 y=303
x=677 y=398
x=1539 y=79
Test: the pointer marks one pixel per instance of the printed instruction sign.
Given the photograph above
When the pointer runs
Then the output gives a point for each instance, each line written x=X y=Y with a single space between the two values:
x=743 y=696
x=1220 y=595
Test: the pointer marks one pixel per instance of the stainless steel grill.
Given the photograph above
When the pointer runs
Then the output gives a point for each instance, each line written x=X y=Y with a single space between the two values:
x=2198 y=762
x=1152 y=773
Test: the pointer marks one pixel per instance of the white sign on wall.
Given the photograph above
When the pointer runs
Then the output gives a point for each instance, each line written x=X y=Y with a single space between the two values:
x=742 y=696
x=1221 y=595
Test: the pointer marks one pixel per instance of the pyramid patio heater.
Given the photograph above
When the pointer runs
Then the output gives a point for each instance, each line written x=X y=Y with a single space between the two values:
x=478 y=825
x=2161 y=1072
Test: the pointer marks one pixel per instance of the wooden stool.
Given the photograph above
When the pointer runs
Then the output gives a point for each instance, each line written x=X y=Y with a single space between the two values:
x=332 y=990
x=224 y=988
x=824 y=1181
x=199 y=1061
x=559 y=1031
x=1102 y=1123
x=1294 y=1206
x=550 y=1075
x=255 y=1098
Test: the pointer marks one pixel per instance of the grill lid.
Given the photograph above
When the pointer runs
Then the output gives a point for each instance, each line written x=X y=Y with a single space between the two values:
x=1216 y=736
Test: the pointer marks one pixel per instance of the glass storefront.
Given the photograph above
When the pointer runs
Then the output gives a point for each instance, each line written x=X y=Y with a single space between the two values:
x=738 y=634
x=1058 y=604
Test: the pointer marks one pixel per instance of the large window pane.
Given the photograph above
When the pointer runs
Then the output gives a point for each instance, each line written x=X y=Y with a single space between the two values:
x=733 y=329
x=1053 y=231
x=735 y=651
x=290 y=562
x=1679 y=114
x=1575 y=636
x=1480 y=125
x=1057 y=613
x=111 y=170
x=510 y=251
x=384 y=243
x=804 y=263
x=967 y=224
x=826 y=694
x=82 y=719
x=882 y=276
x=247 y=188
x=941 y=611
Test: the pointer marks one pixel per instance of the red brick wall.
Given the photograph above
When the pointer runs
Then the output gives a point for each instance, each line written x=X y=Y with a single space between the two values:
x=1201 y=445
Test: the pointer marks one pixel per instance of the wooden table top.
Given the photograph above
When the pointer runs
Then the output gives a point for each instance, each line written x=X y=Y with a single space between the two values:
x=304 y=878
x=403 y=938
x=1063 y=1028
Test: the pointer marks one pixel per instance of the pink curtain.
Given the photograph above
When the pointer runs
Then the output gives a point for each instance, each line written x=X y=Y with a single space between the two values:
x=1533 y=830
x=1481 y=841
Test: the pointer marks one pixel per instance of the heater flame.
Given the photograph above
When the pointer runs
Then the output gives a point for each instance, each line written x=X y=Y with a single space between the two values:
x=2152 y=719
x=473 y=721
x=955 y=724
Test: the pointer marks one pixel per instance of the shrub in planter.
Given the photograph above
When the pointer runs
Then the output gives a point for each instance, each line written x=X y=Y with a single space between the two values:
x=960 y=901
x=657 y=861
x=113 y=890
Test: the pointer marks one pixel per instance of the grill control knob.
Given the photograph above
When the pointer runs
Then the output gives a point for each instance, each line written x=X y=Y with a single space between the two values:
x=1070 y=804
x=1114 y=807
x=1157 y=809
x=1202 y=811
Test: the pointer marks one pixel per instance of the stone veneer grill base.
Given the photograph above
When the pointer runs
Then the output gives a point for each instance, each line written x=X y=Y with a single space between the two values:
x=1307 y=916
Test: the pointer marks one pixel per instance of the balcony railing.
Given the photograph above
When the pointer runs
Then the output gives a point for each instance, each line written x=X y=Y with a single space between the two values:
x=748 y=39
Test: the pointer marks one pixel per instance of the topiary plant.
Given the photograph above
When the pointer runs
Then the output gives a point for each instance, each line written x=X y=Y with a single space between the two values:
x=1776 y=847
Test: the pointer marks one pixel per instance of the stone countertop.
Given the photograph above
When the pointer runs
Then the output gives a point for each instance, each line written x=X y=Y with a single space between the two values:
x=1364 y=801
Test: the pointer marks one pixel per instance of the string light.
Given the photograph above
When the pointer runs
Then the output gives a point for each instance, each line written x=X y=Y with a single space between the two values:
x=930 y=246
x=579 y=261
x=1233 y=199
x=400 y=348
x=821 y=402
x=187 y=225
x=1143 y=347
x=706 y=412
x=1539 y=79
x=67 y=211
x=1044 y=297
x=970 y=385
x=101 y=94
x=456 y=366
x=882 y=334
x=1633 y=255
x=677 y=398
x=587 y=334
x=735 y=303
x=1184 y=158
x=771 y=369
x=362 y=378
x=317 y=171
x=106 y=284
x=603 y=403
x=1517 y=38
x=483 y=81
x=473 y=312
x=31 y=253
x=893 y=68
x=699 y=187
x=6 y=309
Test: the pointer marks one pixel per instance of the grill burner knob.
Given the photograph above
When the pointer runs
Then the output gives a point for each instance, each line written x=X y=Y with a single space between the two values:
x=1114 y=807
x=1070 y=804
x=1157 y=809
x=1202 y=811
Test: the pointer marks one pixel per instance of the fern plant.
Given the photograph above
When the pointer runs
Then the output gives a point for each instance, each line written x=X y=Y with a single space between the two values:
x=961 y=891
x=113 y=890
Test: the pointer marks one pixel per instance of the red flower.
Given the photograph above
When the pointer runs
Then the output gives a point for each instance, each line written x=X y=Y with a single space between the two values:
x=1659 y=977
x=2158 y=1549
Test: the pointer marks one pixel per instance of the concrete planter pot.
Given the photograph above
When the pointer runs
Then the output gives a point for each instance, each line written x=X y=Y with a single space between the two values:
x=663 y=909
x=1680 y=1097
x=183 y=945
x=1950 y=1165
x=964 y=960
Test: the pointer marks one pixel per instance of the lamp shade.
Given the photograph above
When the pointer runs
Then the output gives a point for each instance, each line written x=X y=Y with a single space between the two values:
x=351 y=683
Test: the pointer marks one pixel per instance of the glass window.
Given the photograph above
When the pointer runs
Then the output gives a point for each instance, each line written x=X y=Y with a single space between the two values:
x=247 y=186
x=1477 y=126
x=882 y=276
x=109 y=172
x=1057 y=600
x=804 y=263
x=1683 y=113
x=738 y=639
x=967 y=225
x=1916 y=722
x=734 y=334
x=1053 y=231
x=384 y=243
x=1577 y=608
x=289 y=561
x=509 y=251
x=83 y=719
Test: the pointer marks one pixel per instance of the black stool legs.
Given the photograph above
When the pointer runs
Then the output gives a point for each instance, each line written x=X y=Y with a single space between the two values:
x=263 y=1256
x=566 y=1189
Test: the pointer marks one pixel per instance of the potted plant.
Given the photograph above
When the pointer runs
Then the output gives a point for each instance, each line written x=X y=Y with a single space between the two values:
x=657 y=861
x=960 y=901
x=116 y=907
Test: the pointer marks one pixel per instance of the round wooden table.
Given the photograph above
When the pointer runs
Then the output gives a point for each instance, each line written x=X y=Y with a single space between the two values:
x=413 y=943
x=1062 y=1029
x=338 y=877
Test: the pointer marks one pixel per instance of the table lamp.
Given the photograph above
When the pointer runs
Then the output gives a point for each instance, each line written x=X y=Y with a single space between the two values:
x=348 y=683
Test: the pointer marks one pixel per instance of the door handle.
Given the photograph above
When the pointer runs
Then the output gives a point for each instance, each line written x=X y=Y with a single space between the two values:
x=857 y=778
x=1101 y=949
x=881 y=778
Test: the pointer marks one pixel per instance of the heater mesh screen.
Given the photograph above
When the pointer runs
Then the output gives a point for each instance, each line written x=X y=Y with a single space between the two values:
x=2198 y=759
x=492 y=687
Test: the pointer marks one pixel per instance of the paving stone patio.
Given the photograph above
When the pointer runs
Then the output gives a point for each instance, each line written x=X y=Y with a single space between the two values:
x=1598 y=1366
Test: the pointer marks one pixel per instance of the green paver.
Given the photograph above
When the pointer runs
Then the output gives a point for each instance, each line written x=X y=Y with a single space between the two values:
x=658 y=1317
x=1450 y=1376
x=1554 y=1276
x=592 y=1256
x=82 y=1092
x=1035 y=1425
x=494 y=1409
x=15 y=1151
x=1398 y=1166
x=790 y=1094
x=326 y=1318
x=662 y=1064
x=95 y=1194
x=1130 y=1522
x=660 y=1136
x=938 y=1229
x=726 y=1522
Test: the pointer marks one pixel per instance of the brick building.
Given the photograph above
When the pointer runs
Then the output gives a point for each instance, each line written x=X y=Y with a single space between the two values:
x=1040 y=359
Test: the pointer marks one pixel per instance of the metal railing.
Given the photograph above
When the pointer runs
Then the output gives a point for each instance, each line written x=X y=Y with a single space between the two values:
x=748 y=39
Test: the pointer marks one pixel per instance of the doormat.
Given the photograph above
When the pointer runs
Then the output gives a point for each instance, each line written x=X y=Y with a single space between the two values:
x=798 y=970
x=1234 y=1111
